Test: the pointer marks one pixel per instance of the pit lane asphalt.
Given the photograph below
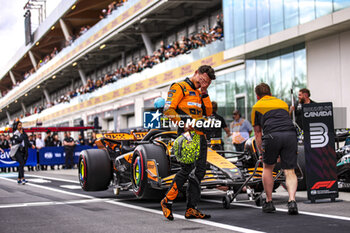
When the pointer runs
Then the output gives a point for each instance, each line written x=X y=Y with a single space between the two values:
x=52 y=201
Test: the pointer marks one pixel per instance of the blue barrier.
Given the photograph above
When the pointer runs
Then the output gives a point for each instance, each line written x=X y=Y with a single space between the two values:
x=56 y=155
x=5 y=160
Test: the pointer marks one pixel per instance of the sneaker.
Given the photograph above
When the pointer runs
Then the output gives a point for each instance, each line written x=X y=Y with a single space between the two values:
x=167 y=209
x=268 y=207
x=19 y=182
x=292 y=208
x=24 y=181
x=194 y=213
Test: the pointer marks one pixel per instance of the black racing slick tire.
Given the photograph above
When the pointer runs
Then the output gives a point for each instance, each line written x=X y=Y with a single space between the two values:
x=139 y=176
x=95 y=170
x=301 y=163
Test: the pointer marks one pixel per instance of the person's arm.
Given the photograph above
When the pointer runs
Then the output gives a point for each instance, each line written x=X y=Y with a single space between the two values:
x=65 y=143
x=291 y=110
x=207 y=106
x=231 y=125
x=227 y=130
x=175 y=95
x=224 y=126
x=1 y=150
x=72 y=143
x=256 y=116
x=258 y=136
x=26 y=141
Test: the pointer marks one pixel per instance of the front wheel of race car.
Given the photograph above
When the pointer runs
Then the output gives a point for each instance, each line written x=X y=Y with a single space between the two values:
x=95 y=170
x=139 y=175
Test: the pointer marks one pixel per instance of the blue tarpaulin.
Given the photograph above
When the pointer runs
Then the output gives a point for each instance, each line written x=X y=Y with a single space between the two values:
x=47 y=156
x=56 y=155
x=5 y=160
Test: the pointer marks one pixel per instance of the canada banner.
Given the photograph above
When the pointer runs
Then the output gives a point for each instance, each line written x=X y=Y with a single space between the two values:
x=320 y=156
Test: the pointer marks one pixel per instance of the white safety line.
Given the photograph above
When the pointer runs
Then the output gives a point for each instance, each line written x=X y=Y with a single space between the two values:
x=52 y=178
x=7 y=175
x=70 y=186
x=285 y=210
x=49 y=203
x=115 y=202
x=201 y=221
x=51 y=189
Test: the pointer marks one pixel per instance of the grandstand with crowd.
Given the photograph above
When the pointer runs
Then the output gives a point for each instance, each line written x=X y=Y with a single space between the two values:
x=134 y=59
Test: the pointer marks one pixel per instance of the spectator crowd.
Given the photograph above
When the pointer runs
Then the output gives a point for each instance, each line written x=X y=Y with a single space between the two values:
x=104 y=13
x=163 y=53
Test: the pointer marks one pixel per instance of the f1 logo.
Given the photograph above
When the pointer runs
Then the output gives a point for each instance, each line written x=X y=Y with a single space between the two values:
x=318 y=135
x=323 y=184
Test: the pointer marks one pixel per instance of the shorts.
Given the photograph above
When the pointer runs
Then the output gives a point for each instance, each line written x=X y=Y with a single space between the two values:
x=283 y=144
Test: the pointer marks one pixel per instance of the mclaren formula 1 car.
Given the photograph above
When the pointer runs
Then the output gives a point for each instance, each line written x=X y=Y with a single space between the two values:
x=145 y=163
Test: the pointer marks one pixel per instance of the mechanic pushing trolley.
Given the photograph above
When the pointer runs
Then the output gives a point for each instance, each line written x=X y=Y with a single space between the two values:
x=188 y=100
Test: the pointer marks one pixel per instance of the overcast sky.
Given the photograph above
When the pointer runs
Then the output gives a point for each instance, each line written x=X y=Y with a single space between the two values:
x=12 y=26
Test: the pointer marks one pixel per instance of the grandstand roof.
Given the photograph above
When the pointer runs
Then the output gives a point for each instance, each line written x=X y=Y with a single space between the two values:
x=86 y=12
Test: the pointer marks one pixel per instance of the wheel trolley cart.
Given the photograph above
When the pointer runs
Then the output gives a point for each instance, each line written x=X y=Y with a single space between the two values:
x=253 y=179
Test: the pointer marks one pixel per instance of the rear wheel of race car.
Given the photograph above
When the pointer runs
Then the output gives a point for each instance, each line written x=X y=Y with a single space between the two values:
x=301 y=163
x=139 y=176
x=95 y=170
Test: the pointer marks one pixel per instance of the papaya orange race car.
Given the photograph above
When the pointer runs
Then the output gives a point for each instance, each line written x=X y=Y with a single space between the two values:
x=145 y=163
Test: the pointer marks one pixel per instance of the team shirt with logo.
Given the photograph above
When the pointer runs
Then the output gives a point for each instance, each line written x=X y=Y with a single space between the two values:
x=272 y=115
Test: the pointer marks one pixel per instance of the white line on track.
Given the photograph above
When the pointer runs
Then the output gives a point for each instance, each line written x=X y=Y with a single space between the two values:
x=115 y=202
x=201 y=221
x=49 y=203
x=70 y=186
x=51 y=189
x=285 y=210
x=53 y=178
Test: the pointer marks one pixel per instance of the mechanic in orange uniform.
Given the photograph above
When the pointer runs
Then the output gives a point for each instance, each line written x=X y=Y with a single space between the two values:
x=188 y=100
